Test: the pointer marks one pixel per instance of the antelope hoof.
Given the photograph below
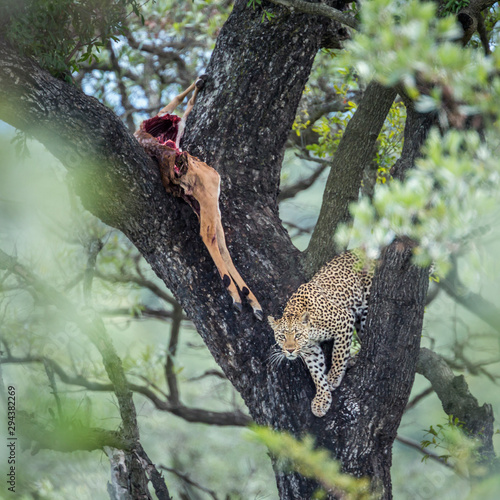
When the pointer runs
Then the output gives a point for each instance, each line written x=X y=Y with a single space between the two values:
x=259 y=314
x=200 y=82
x=238 y=306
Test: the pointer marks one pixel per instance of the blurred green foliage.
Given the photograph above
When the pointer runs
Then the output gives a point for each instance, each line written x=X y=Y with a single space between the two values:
x=455 y=185
x=62 y=34
x=302 y=456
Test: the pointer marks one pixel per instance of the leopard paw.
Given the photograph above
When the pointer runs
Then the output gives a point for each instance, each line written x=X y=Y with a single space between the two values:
x=334 y=380
x=321 y=403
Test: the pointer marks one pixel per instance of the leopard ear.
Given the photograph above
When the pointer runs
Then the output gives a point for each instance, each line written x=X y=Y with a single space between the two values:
x=272 y=322
x=305 y=318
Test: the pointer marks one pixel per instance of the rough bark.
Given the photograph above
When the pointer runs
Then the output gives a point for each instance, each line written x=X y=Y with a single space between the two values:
x=240 y=126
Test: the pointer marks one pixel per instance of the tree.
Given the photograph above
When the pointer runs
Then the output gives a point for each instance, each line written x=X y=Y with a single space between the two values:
x=240 y=127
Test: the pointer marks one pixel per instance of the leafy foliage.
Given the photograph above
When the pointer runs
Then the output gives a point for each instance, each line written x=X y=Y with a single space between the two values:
x=266 y=14
x=412 y=39
x=303 y=457
x=62 y=34
x=455 y=184
x=439 y=205
x=458 y=449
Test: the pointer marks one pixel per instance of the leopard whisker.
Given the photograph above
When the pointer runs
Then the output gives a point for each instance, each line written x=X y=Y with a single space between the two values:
x=276 y=357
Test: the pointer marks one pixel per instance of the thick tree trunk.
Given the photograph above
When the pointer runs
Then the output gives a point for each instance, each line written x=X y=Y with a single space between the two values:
x=240 y=125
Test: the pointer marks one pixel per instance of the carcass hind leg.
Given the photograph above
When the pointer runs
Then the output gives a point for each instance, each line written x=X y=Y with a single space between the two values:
x=178 y=99
x=209 y=237
x=226 y=257
x=200 y=82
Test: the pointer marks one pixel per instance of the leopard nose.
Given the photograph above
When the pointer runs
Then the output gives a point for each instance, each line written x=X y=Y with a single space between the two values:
x=291 y=351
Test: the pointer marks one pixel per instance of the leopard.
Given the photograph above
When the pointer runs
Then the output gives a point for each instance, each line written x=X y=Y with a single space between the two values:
x=329 y=307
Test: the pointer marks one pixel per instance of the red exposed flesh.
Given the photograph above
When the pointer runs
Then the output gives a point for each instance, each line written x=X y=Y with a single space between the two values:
x=164 y=128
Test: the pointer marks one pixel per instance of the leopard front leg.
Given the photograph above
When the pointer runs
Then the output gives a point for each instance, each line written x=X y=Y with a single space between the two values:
x=315 y=361
x=340 y=355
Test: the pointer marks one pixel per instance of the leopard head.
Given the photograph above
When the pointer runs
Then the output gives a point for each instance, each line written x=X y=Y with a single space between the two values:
x=291 y=334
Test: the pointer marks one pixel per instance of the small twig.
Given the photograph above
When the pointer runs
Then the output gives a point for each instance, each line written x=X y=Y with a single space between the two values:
x=142 y=312
x=93 y=246
x=417 y=446
x=189 y=481
x=208 y=373
x=52 y=383
x=128 y=278
x=153 y=385
x=300 y=230
x=303 y=184
x=411 y=404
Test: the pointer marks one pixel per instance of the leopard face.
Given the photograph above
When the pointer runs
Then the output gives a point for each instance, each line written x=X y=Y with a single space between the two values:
x=291 y=335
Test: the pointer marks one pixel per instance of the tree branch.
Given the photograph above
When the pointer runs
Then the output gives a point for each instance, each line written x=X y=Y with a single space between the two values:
x=470 y=17
x=457 y=400
x=121 y=88
x=68 y=438
x=417 y=446
x=303 y=184
x=319 y=9
x=141 y=312
x=171 y=377
x=189 y=481
x=140 y=281
x=195 y=415
x=412 y=403
x=474 y=302
x=92 y=326
x=356 y=149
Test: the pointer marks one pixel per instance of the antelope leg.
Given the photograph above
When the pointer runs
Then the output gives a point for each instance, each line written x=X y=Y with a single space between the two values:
x=226 y=257
x=208 y=234
x=198 y=86
x=203 y=182
x=170 y=107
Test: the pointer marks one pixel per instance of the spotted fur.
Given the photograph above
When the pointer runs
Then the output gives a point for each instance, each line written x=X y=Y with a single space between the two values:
x=327 y=307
